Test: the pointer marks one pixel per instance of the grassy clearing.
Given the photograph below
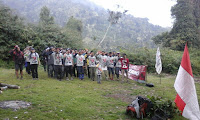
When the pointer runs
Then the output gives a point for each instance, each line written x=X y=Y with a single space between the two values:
x=75 y=100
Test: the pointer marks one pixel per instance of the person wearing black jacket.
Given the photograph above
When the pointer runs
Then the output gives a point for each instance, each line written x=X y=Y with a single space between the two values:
x=44 y=58
x=50 y=62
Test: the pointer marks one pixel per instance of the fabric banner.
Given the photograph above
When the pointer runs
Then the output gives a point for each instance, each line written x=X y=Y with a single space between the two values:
x=137 y=73
x=158 y=64
x=186 y=99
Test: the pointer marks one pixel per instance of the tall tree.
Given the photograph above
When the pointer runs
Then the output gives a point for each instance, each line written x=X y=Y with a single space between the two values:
x=45 y=17
x=73 y=30
x=186 y=26
x=12 y=31
x=114 y=17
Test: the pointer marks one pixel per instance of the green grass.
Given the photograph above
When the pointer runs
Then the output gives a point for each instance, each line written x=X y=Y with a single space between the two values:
x=78 y=100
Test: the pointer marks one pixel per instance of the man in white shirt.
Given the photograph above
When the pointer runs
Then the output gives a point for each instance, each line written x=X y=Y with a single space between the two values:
x=58 y=64
x=110 y=61
x=68 y=58
x=92 y=65
x=103 y=62
x=80 y=65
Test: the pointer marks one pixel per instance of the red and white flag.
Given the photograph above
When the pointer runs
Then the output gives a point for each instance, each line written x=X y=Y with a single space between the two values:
x=186 y=99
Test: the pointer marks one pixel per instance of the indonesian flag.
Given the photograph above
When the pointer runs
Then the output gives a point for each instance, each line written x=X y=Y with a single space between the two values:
x=186 y=98
x=158 y=64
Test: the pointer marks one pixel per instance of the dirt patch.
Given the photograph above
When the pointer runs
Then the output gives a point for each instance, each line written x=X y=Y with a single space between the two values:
x=124 y=97
x=15 y=105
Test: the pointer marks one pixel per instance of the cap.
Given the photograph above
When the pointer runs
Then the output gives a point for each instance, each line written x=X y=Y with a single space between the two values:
x=32 y=49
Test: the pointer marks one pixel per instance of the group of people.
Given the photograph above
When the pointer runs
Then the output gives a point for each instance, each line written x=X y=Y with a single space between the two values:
x=72 y=63
x=29 y=57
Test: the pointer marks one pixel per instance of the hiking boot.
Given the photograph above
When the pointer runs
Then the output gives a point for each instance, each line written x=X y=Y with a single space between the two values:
x=71 y=78
x=21 y=78
x=67 y=78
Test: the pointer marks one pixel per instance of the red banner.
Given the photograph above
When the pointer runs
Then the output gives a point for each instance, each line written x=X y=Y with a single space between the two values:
x=137 y=72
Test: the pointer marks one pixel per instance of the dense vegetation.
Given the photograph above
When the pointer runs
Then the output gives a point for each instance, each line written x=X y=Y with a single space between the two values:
x=13 y=30
x=171 y=59
x=49 y=28
x=186 y=27
x=130 y=31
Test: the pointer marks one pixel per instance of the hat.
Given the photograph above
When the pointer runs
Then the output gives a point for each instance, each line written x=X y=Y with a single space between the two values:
x=32 y=49
x=48 y=48
x=118 y=52
x=16 y=46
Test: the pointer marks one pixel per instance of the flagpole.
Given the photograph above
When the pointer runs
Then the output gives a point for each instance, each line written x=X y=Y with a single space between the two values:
x=160 y=78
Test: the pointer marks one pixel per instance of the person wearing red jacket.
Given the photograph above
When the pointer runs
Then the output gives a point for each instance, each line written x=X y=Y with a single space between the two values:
x=18 y=57
x=124 y=66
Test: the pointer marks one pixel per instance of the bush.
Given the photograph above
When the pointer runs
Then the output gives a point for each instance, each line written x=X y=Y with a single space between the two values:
x=7 y=64
x=166 y=106
x=171 y=59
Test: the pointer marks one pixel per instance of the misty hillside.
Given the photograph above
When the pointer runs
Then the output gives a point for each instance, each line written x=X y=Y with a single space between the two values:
x=130 y=31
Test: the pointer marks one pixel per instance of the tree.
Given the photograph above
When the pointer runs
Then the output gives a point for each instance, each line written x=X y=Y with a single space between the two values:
x=186 y=27
x=12 y=32
x=114 y=17
x=45 y=18
x=73 y=31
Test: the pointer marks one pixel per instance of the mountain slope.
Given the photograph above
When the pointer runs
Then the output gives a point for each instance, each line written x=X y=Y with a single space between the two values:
x=129 y=32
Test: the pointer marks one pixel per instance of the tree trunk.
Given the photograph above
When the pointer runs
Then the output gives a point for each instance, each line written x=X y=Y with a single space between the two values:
x=9 y=86
x=104 y=35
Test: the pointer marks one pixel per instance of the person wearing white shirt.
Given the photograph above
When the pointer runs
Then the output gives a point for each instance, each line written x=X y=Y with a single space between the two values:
x=34 y=62
x=68 y=58
x=103 y=62
x=58 y=63
x=80 y=65
x=92 y=65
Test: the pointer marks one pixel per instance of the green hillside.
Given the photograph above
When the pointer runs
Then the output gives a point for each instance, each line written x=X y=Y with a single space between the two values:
x=132 y=31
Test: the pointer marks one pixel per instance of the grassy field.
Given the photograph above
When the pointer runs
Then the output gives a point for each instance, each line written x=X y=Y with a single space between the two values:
x=79 y=100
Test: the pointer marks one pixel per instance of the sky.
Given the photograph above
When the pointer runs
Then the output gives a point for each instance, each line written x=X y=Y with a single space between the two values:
x=157 y=11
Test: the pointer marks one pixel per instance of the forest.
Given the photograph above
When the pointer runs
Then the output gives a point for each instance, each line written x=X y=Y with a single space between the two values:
x=49 y=23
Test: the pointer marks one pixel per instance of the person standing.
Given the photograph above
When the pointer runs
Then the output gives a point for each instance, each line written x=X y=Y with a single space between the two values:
x=118 y=65
x=110 y=61
x=44 y=58
x=74 y=53
x=99 y=73
x=103 y=62
x=34 y=62
x=80 y=65
x=58 y=64
x=68 y=58
x=18 y=57
x=124 y=66
x=50 y=62
x=87 y=64
x=27 y=59
x=92 y=65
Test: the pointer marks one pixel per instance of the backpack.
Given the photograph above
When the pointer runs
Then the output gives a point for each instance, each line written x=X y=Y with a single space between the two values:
x=140 y=107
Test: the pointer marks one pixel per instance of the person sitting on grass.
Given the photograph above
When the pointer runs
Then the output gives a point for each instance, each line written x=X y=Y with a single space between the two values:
x=34 y=62
x=18 y=57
